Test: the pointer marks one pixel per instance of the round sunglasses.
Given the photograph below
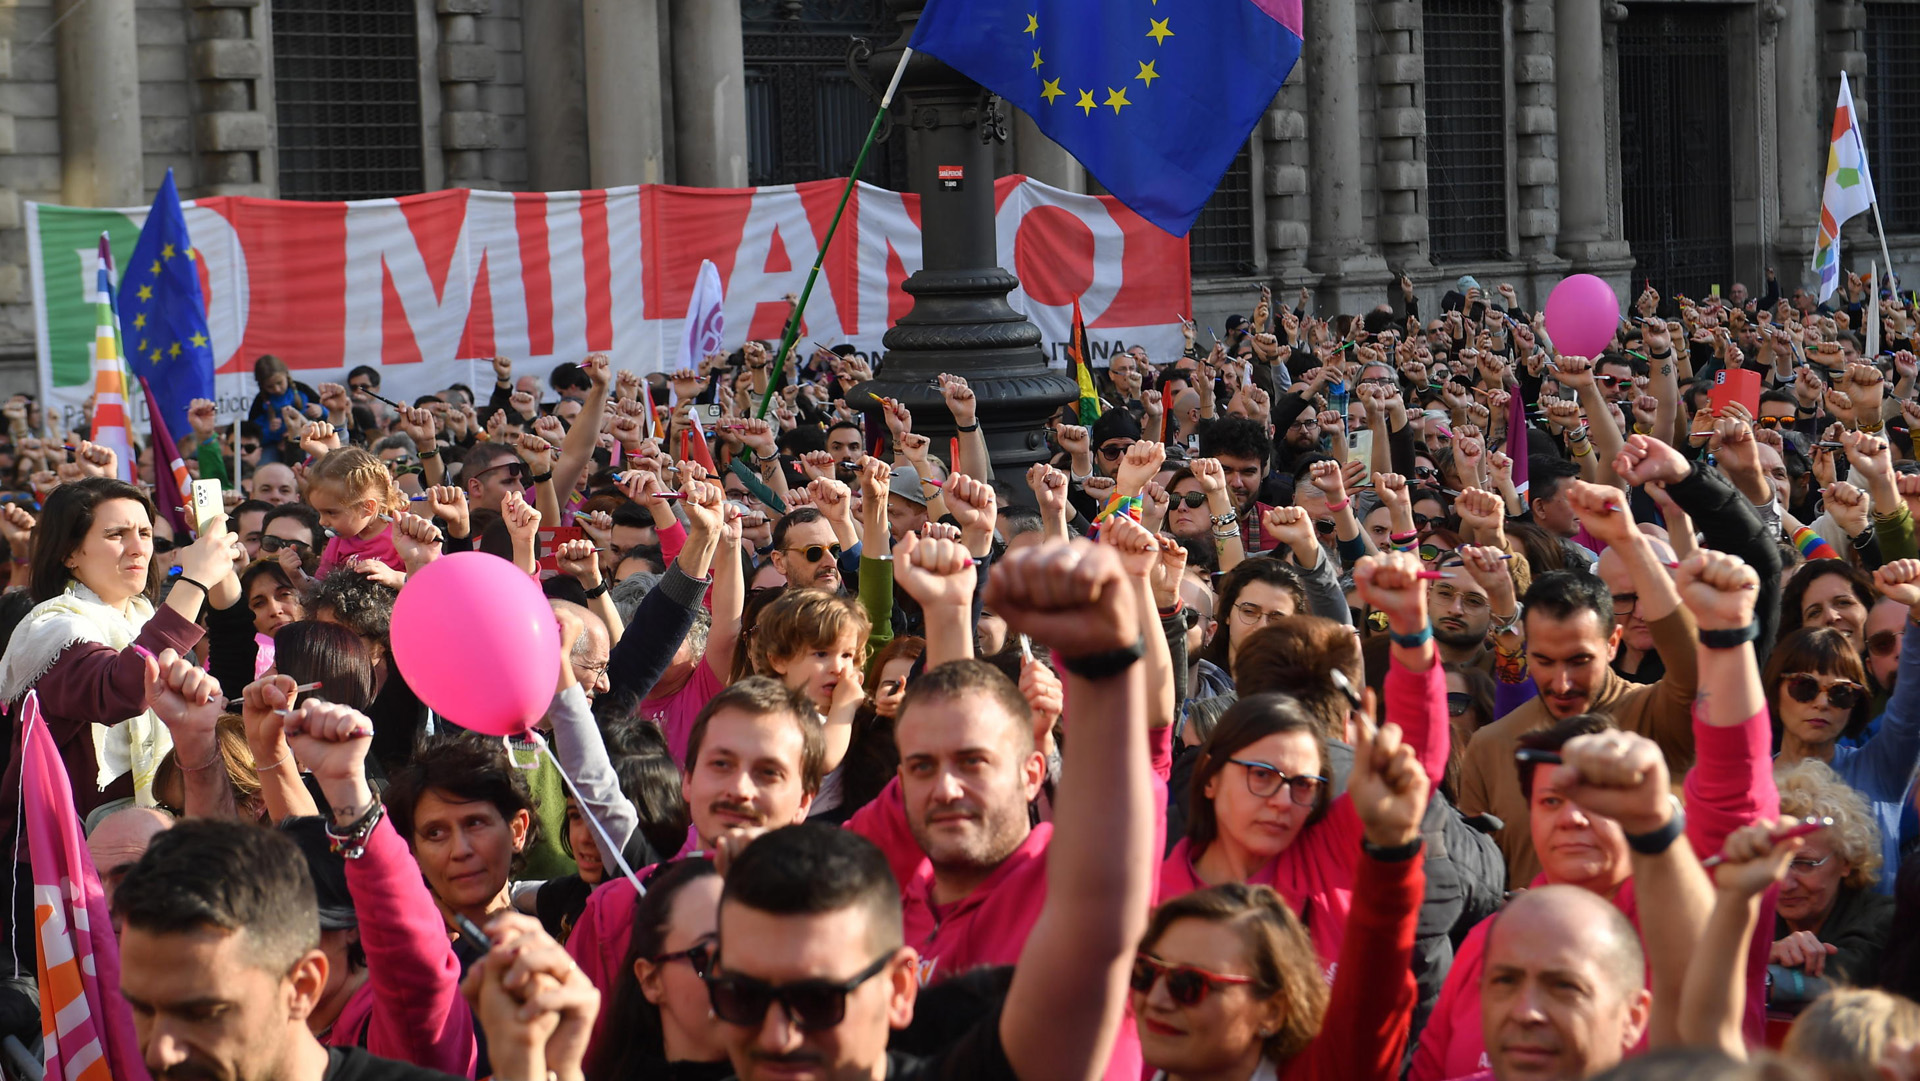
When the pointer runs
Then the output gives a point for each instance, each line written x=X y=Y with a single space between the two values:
x=1841 y=694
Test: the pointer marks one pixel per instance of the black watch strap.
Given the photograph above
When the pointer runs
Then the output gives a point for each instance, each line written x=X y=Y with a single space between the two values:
x=1731 y=638
x=1396 y=854
x=597 y=591
x=1653 y=844
x=1097 y=666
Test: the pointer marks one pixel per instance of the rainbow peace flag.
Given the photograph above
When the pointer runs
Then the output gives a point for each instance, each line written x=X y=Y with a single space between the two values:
x=1848 y=190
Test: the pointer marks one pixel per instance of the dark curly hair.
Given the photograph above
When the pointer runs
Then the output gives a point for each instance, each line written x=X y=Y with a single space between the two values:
x=467 y=768
x=362 y=606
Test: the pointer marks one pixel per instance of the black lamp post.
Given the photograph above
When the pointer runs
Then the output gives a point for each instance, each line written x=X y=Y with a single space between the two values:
x=961 y=322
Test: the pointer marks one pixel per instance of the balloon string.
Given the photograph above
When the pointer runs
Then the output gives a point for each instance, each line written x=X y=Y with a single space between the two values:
x=606 y=840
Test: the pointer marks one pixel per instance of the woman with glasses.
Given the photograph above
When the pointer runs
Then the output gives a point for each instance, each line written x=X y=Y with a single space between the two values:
x=1830 y=926
x=1816 y=690
x=660 y=1022
x=1225 y=984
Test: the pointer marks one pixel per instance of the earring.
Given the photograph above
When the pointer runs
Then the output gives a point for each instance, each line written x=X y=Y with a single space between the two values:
x=1265 y=1032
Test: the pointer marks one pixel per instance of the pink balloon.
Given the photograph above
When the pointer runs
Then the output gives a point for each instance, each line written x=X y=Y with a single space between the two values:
x=476 y=640
x=1582 y=315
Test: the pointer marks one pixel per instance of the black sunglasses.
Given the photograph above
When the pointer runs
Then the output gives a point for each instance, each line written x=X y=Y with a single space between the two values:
x=1844 y=694
x=274 y=544
x=698 y=957
x=1191 y=499
x=813 y=553
x=1112 y=452
x=1883 y=643
x=249 y=448
x=1323 y=527
x=810 y=1004
x=1458 y=703
x=163 y=544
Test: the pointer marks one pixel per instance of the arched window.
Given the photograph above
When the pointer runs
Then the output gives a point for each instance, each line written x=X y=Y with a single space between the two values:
x=346 y=84
x=1466 y=88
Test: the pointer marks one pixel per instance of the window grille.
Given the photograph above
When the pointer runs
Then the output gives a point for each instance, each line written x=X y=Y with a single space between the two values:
x=1676 y=175
x=1466 y=129
x=347 y=98
x=1892 y=111
x=1221 y=241
x=806 y=118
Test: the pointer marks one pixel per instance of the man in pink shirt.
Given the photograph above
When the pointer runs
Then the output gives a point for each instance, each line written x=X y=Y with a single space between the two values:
x=753 y=764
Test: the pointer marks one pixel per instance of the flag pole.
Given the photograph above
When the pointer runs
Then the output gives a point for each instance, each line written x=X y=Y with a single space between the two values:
x=853 y=179
x=1882 y=230
x=238 y=484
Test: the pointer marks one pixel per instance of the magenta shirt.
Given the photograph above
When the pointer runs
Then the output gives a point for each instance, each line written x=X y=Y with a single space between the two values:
x=339 y=549
x=676 y=712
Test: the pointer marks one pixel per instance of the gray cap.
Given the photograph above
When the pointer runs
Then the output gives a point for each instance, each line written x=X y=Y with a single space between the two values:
x=906 y=485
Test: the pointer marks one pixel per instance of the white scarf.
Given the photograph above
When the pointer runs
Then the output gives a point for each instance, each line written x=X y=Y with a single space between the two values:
x=134 y=745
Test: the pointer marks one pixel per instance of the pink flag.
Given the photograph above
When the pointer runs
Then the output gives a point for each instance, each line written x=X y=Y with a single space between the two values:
x=86 y=1027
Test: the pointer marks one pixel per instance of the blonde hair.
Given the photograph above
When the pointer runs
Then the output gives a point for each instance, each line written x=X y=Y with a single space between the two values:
x=1810 y=788
x=1848 y=1024
x=236 y=758
x=801 y=619
x=358 y=475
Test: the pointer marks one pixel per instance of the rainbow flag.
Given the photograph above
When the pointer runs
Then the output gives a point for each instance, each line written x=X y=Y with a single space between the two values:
x=1848 y=190
x=109 y=420
x=1077 y=353
x=87 y=1028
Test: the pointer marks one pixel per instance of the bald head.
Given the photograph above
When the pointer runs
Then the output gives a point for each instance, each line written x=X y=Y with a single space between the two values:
x=121 y=839
x=1563 y=990
x=1612 y=567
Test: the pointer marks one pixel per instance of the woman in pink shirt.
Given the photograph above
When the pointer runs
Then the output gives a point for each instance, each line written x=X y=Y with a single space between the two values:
x=1263 y=811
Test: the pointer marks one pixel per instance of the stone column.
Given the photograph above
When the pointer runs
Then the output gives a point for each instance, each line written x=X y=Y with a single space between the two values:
x=1353 y=274
x=1581 y=72
x=555 y=55
x=709 y=94
x=99 y=104
x=467 y=128
x=233 y=101
x=1400 y=122
x=1535 y=99
x=1285 y=183
x=1043 y=159
x=626 y=125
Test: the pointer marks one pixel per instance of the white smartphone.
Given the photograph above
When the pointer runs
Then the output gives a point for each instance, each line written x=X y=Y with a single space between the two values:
x=208 y=507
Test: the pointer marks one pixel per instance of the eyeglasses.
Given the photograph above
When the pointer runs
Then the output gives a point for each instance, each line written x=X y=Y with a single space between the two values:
x=810 y=1004
x=1447 y=594
x=1112 y=451
x=1807 y=867
x=1458 y=703
x=595 y=670
x=698 y=957
x=1431 y=552
x=1841 y=693
x=1624 y=603
x=1883 y=643
x=814 y=553
x=163 y=544
x=1195 y=500
x=1186 y=985
x=516 y=471
x=1263 y=781
x=271 y=545
x=1254 y=615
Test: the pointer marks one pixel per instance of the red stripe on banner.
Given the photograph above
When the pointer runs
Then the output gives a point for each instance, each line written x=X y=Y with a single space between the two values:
x=596 y=252
x=536 y=269
x=770 y=316
x=397 y=342
x=477 y=339
x=436 y=220
x=679 y=227
x=296 y=280
x=1155 y=274
x=841 y=271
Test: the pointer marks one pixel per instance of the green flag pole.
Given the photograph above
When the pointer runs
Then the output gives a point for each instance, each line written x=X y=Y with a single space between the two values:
x=859 y=163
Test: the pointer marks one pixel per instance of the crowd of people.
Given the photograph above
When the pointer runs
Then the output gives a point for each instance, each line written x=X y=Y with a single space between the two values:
x=1366 y=697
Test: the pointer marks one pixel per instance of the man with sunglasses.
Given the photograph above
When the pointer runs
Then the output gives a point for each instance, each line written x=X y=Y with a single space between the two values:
x=806 y=550
x=489 y=472
x=816 y=964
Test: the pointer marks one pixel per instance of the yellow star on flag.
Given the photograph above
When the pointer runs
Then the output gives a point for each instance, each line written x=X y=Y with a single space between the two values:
x=1033 y=25
x=166 y=252
x=140 y=321
x=156 y=268
x=1159 y=33
x=1036 y=60
x=1051 y=90
x=1116 y=98
x=155 y=356
x=1147 y=73
x=143 y=345
x=199 y=340
x=146 y=292
x=193 y=254
x=1086 y=103
x=173 y=350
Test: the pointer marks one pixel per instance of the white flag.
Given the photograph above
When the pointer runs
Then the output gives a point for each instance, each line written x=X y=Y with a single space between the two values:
x=1848 y=189
x=703 y=333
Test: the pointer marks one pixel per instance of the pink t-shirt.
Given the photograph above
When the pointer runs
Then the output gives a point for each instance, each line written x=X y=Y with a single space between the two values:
x=380 y=547
x=676 y=712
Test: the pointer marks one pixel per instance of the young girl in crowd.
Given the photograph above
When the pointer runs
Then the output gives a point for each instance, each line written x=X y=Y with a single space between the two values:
x=278 y=392
x=357 y=501
x=816 y=643
x=660 y=1023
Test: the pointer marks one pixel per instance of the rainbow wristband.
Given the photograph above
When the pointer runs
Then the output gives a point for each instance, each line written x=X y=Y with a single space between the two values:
x=1127 y=505
x=1812 y=545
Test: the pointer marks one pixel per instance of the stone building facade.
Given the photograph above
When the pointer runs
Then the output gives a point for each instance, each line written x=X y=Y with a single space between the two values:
x=1515 y=140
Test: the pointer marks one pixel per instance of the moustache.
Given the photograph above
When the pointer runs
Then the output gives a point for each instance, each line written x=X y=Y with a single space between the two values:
x=748 y=810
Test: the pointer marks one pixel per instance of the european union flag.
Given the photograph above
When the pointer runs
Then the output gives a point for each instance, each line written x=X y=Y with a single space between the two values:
x=163 y=315
x=1154 y=99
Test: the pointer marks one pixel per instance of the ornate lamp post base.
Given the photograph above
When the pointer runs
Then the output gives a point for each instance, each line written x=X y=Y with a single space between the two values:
x=961 y=322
